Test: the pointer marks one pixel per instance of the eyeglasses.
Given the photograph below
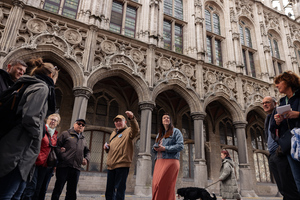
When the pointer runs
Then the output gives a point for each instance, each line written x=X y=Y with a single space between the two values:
x=267 y=102
x=54 y=120
x=56 y=68
x=80 y=124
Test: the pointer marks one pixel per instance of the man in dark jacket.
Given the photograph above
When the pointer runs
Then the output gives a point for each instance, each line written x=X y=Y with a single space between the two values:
x=15 y=70
x=279 y=165
x=72 y=152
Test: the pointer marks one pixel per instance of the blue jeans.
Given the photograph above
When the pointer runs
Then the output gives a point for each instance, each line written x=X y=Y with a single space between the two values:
x=116 y=183
x=295 y=167
x=63 y=175
x=37 y=187
x=12 y=185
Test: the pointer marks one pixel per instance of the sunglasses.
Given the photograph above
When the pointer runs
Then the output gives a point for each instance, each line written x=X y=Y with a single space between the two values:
x=80 y=124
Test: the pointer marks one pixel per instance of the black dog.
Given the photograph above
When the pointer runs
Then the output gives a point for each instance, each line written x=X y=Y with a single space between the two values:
x=192 y=193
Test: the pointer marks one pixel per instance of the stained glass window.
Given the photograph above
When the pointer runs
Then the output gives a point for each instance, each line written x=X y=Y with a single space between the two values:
x=276 y=49
x=52 y=5
x=70 y=8
x=130 y=21
x=116 y=17
x=242 y=35
x=271 y=47
x=245 y=61
x=216 y=21
x=208 y=20
x=178 y=9
x=178 y=39
x=168 y=7
x=167 y=35
x=209 y=49
x=218 y=53
x=252 y=67
x=248 y=37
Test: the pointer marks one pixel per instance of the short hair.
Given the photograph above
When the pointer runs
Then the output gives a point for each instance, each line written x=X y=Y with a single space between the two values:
x=41 y=68
x=55 y=115
x=16 y=62
x=292 y=80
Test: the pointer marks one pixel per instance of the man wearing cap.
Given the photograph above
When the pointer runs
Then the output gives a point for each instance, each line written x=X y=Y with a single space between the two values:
x=72 y=152
x=119 y=158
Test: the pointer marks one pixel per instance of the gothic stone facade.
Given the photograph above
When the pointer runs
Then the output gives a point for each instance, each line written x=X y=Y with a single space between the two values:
x=212 y=87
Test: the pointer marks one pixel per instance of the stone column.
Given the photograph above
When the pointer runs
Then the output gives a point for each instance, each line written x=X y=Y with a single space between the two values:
x=238 y=50
x=200 y=167
x=143 y=186
x=82 y=95
x=245 y=171
x=269 y=62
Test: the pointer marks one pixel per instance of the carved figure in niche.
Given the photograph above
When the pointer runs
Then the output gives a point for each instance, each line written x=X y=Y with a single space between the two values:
x=136 y=55
x=188 y=70
x=72 y=36
x=164 y=63
x=36 y=26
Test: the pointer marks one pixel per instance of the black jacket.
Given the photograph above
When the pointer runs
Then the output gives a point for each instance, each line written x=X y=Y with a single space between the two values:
x=5 y=80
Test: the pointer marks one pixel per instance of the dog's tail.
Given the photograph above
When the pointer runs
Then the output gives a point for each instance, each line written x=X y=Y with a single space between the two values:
x=214 y=198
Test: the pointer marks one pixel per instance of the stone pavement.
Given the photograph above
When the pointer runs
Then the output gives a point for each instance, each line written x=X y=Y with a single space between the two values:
x=133 y=197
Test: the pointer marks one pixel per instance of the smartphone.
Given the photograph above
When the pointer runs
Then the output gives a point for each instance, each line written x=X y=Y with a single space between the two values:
x=156 y=145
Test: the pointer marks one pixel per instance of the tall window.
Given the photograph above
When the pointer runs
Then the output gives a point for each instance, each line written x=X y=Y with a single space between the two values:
x=173 y=25
x=247 y=49
x=123 y=18
x=227 y=132
x=69 y=7
x=274 y=48
x=213 y=37
x=297 y=53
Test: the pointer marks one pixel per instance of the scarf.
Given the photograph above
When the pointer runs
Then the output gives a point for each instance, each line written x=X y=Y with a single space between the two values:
x=50 y=130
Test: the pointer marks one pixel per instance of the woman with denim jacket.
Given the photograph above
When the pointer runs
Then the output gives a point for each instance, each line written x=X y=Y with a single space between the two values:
x=167 y=147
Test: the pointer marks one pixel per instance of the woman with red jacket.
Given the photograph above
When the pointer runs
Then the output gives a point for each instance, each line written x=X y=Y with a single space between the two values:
x=37 y=188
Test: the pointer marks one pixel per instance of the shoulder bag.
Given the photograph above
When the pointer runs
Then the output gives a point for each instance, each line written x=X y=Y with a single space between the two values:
x=52 y=158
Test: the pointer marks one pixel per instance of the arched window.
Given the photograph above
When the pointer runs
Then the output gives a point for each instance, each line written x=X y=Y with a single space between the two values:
x=123 y=17
x=274 y=49
x=297 y=53
x=213 y=36
x=69 y=7
x=173 y=25
x=247 y=49
x=227 y=132
x=261 y=164
x=257 y=137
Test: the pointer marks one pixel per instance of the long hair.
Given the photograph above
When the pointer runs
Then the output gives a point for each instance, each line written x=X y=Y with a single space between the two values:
x=163 y=133
x=291 y=79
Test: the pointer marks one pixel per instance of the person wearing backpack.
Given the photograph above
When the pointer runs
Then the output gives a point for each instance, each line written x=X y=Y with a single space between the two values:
x=36 y=189
x=15 y=69
x=19 y=148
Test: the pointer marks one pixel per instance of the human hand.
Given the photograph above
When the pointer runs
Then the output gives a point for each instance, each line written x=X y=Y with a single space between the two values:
x=160 y=148
x=291 y=114
x=278 y=118
x=84 y=161
x=106 y=146
x=129 y=114
x=62 y=149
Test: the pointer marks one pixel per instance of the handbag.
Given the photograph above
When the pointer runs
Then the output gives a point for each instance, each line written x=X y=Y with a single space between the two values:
x=52 y=158
x=285 y=142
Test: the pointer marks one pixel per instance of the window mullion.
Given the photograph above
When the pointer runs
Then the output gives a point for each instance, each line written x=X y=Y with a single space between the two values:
x=124 y=17
x=248 y=62
x=173 y=34
x=213 y=46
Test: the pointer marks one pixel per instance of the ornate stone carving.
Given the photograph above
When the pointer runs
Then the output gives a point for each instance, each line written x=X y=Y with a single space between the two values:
x=187 y=70
x=108 y=47
x=136 y=55
x=230 y=83
x=82 y=91
x=36 y=26
x=72 y=36
x=211 y=77
x=120 y=59
x=164 y=63
x=244 y=7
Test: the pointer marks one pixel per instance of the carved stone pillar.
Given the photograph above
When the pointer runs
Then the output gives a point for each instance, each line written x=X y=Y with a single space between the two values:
x=244 y=171
x=200 y=167
x=82 y=95
x=143 y=186
x=269 y=62
x=13 y=23
x=154 y=16
x=237 y=49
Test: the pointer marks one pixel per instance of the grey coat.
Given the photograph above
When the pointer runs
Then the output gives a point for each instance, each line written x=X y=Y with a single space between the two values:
x=228 y=186
x=21 y=146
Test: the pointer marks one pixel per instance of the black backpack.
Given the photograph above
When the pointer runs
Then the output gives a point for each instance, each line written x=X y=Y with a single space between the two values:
x=9 y=101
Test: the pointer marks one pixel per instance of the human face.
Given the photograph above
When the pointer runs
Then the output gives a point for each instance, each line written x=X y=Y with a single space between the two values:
x=16 y=71
x=282 y=87
x=79 y=126
x=223 y=156
x=119 y=124
x=52 y=122
x=268 y=105
x=166 y=120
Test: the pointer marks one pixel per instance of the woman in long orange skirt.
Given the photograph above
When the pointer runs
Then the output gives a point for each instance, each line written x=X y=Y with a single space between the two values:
x=167 y=147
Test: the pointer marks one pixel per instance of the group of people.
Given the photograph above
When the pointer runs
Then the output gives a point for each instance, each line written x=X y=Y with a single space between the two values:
x=24 y=150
